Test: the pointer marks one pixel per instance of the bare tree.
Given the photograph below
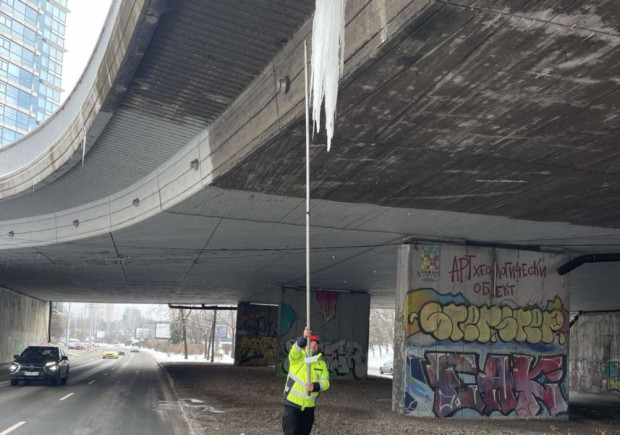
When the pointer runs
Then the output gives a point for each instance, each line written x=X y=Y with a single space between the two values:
x=381 y=329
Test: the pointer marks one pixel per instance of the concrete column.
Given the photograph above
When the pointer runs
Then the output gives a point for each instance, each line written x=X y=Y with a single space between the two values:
x=595 y=354
x=24 y=321
x=403 y=279
x=481 y=332
x=340 y=318
x=257 y=334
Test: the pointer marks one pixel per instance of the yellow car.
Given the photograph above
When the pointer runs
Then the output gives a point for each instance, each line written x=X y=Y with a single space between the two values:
x=110 y=353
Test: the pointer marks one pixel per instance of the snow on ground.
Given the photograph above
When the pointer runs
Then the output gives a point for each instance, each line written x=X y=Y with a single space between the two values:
x=375 y=360
x=179 y=357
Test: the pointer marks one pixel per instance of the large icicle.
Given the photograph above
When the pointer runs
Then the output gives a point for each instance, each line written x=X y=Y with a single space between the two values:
x=327 y=61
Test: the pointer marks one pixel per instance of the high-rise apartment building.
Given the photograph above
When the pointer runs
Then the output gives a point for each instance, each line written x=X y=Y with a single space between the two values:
x=32 y=39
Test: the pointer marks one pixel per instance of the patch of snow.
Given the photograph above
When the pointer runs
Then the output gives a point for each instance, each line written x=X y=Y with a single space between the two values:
x=179 y=357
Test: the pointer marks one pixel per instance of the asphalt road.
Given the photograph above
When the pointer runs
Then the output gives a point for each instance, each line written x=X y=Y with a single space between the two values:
x=130 y=395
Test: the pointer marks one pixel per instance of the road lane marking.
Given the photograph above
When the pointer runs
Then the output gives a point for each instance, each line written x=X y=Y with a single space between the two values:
x=66 y=397
x=12 y=428
x=91 y=382
x=105 y=374
x=4 y=382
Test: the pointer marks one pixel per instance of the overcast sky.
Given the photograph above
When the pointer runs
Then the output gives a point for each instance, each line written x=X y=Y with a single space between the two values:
x=84 y=24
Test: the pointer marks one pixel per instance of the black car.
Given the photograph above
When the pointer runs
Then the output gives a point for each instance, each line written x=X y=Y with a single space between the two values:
x=40 y=363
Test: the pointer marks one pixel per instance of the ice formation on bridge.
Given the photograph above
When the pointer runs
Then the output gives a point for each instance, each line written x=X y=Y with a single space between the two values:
x=327 y=61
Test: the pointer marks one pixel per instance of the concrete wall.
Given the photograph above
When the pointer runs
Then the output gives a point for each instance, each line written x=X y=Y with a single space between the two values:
x=257 y=335
x=23 y=322
x=339 y=318
x=483 y=332
x=595 y=354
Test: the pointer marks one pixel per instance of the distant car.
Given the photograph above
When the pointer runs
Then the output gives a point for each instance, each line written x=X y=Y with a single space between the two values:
x=387 y=367
x=135 y=349
x=40 y=363
x=80 y=346
x=110 y=353
x=121 y=352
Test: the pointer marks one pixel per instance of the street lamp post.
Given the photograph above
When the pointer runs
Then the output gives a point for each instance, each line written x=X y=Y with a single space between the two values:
x=68 y=334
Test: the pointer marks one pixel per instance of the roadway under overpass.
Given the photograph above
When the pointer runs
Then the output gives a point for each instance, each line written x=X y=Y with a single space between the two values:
x=174 y=173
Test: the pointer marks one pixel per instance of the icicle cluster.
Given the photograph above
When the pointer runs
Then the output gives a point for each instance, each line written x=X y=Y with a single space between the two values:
x=327 y=61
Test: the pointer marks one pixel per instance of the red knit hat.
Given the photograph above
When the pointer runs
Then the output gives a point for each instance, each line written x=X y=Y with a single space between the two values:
x=314 y=337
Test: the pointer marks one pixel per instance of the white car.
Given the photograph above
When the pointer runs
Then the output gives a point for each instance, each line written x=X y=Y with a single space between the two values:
x=387 y=368
x=135 y=349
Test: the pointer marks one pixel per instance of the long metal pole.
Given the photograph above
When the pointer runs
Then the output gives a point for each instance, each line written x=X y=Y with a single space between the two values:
x=307 y=206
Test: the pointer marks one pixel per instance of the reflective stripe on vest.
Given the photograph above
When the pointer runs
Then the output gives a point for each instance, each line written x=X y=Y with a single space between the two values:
x=312 y=396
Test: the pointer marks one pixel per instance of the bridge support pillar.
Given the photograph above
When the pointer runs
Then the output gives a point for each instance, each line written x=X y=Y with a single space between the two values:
x=257 y=334
x=24 y=321
x=340 y=318
x=480 y=332
x=595 y=354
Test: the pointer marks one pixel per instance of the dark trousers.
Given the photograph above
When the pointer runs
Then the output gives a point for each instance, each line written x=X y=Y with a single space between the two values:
x=297 y=422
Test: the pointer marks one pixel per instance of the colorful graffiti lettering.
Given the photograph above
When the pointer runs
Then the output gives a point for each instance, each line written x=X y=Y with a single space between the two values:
x=257 y=322
x=254 y=351
x=611 y=374
x=467 y=322
x=328 y=301
x=507 y=384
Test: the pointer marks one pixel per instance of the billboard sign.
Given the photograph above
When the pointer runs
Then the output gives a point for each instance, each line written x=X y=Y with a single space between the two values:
x=162 y=330
x=221 y=331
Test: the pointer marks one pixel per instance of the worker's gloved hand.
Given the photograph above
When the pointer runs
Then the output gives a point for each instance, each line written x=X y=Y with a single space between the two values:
x=309 y=386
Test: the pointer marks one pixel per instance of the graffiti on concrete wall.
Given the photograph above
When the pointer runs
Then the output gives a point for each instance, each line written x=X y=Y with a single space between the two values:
x=611 y=371
x=464 y=321
x=486 y=332
x=328 y=302
x=343 y=359
x=343 y=343
x=256 y=334
x=518 y=384
x=256 y=351
x=585 y=375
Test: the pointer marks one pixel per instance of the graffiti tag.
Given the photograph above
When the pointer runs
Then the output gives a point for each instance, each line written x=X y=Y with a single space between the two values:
x=507 y=383
x=465 y=268
x=256 y=350
x=611 y=374
x=461 y=321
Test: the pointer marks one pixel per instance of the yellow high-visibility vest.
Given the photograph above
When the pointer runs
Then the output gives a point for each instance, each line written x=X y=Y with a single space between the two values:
x=295 y=393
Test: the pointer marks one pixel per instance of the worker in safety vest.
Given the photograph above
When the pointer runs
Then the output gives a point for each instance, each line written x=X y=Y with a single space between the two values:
x=301 y=393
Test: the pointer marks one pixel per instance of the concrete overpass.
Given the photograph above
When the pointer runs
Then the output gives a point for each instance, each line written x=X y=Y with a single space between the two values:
x=456 y=121
x=174 y=173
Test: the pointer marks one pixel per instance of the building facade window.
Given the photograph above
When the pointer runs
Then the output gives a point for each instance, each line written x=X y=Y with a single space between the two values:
x=31 y=55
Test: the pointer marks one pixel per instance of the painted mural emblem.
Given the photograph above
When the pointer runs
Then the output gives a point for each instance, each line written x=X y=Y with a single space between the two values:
x=328 y=301
x=429 y=263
